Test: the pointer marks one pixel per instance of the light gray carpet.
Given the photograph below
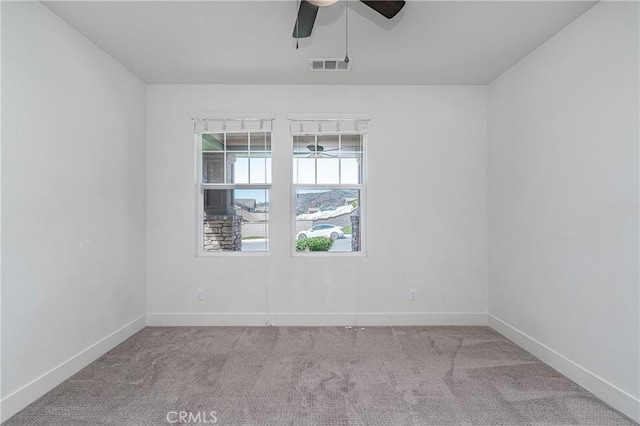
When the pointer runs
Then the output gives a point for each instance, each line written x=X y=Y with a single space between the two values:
x=319 y=376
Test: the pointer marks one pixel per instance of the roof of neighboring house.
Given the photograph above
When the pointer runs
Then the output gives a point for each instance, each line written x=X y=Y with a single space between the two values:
x=246 y=202
x=253 y=217
x=327 y=214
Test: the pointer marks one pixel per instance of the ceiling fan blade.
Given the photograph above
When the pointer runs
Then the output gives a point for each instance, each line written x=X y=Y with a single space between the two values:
x=306 y=18
x=388 y=9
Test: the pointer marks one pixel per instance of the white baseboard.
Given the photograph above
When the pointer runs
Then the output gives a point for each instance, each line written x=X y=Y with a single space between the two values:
x=18 y=400
x=609 y=393
x=317 y=319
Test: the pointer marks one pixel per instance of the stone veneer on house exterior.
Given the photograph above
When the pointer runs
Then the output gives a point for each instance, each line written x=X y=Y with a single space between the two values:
x=222 y=232
x=222 y=226
x=355 y=229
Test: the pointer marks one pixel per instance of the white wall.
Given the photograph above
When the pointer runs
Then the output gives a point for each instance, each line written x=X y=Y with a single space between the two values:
x=73 y=207
x=426 y=169
x=0 y=217
x=563 y=203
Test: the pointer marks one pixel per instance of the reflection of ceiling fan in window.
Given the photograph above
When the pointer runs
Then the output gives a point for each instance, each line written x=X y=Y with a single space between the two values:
x=317 y=151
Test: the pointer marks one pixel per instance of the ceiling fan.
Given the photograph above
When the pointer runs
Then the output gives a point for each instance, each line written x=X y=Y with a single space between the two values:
x=309 y=9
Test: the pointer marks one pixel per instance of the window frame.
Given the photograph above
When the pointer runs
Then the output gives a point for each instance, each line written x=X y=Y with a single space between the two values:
x=361 y=188
x=201 y=186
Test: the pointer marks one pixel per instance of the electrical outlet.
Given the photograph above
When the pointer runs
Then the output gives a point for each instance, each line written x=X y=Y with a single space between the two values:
x=199 y=294
x=413 y=295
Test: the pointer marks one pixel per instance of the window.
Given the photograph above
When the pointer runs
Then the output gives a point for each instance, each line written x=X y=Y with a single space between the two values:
x=234 y=177
x=328 y=184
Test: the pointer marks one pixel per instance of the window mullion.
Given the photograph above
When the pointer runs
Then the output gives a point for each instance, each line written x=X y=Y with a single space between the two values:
x=224 y=159
x=315 y=159
x=339 y=158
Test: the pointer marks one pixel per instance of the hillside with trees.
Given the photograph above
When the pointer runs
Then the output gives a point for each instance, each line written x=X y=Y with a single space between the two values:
x=326 y=200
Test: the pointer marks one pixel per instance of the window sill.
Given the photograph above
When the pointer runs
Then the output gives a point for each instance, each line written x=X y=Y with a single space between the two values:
x=328 y=254
x=235 y=254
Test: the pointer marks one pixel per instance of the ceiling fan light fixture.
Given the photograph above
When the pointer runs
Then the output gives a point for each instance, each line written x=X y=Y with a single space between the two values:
x=322 y=3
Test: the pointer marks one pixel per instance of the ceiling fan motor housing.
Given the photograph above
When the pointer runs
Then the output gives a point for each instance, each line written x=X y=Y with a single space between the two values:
x=322 y=3
x=308 y=11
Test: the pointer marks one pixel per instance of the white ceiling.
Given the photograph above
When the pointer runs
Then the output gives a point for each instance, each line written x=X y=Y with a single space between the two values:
x=243 y=42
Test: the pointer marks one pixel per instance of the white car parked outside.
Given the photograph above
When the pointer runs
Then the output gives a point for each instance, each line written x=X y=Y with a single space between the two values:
x=325 y=230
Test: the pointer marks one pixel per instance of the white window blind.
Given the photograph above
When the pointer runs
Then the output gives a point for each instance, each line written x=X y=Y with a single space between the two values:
x=300 y=125
x=213 y=124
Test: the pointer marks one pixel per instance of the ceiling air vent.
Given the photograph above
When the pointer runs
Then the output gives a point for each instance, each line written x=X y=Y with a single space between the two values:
x=329 y=64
